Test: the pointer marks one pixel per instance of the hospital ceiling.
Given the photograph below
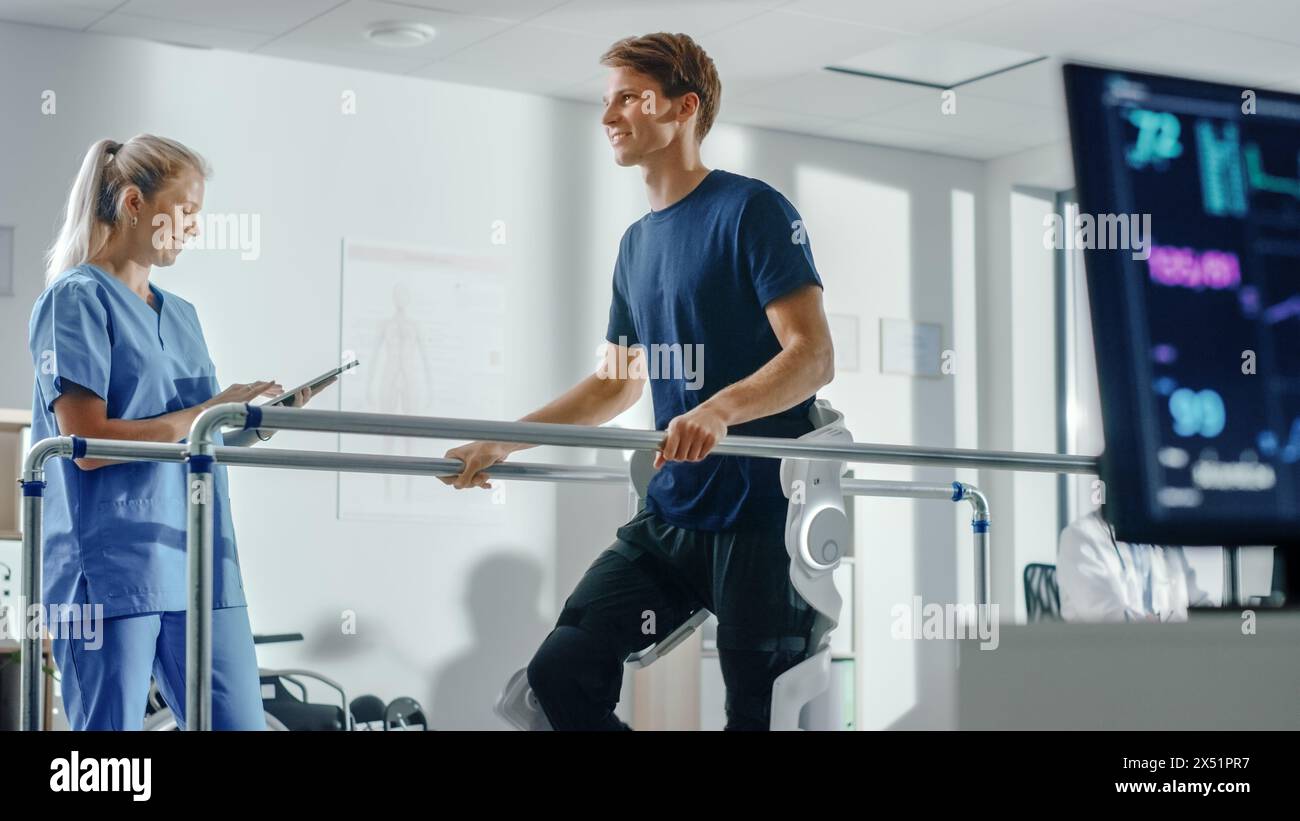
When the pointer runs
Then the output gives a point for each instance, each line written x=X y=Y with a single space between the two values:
x=772 y=54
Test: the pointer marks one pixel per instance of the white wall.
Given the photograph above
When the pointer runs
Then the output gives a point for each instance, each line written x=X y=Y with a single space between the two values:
x=446 y=612
x=1017 y=407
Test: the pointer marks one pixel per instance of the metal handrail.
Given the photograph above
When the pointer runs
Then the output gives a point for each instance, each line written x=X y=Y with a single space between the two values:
x=199 y=528
x=201 y=453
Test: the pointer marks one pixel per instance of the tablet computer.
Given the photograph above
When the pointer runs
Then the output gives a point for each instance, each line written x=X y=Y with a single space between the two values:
x=313 y=384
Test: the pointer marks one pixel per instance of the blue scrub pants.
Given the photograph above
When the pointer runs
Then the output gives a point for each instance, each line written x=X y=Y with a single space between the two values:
x=106 y=688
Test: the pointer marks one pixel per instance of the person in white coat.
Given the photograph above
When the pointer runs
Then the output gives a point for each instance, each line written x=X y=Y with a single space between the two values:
x=1102 y=579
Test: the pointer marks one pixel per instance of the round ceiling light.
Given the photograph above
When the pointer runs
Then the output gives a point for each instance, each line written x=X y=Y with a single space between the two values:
x=400 y=35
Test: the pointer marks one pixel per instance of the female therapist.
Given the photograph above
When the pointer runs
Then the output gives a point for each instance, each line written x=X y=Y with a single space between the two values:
x=117 y=357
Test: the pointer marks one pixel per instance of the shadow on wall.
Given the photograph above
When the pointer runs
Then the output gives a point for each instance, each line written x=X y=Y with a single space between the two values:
x=507 y=627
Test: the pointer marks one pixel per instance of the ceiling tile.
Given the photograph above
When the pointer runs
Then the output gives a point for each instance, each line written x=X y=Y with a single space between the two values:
x=833 y=95
x=1269 y=19
x=777 y=45
x=613 y=19
x=913 y=17
x=760 y=117
x=1177 y=10
x=589 y=89
x=343 y=31
x=883 y=135
x=391 y=63
x=186 y=34
x=981 y=149
x=1044 y=125
x=977 y=117
x=59 y=15
x=561 y=57
x=1052 y=26
x=514 y=11
x=494 y=76
x=1200 y=52
x=935 y=60
x=244 y=15
x=1038 y=84
x=770 y=53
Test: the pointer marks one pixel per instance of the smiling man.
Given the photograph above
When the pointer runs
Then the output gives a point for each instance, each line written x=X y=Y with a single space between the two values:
x=721 y=266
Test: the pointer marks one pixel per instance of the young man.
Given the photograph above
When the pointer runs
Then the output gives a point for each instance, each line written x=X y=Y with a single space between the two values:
x=718 y=273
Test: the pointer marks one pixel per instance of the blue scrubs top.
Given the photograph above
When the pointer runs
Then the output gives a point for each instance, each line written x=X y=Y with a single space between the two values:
x=697 y=277
x=116 y=535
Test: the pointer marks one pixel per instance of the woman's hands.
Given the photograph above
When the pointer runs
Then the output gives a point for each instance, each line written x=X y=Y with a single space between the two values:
x=244 y=393
x=247 y=392
x=299 y=398
x=304 y=396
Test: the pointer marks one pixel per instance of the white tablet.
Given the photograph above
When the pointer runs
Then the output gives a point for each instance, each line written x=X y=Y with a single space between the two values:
x=313 y=384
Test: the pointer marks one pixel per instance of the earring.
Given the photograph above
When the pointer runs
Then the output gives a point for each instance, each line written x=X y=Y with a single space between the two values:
x=134 y=220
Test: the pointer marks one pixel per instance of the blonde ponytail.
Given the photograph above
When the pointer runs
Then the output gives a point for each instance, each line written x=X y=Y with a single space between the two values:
x=75 y=237
x=95 y=202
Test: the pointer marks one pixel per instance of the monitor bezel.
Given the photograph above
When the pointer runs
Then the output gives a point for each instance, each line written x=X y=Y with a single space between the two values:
x=1125 y=466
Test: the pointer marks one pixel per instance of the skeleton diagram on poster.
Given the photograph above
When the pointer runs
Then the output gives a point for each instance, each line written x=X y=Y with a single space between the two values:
x=429 y=330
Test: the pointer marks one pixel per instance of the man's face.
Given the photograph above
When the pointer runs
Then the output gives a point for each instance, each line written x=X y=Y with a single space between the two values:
x=638 y=119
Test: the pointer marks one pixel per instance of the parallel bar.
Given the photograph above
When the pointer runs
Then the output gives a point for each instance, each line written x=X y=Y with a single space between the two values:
x=129 y=450
x=198 y=690
x=198 y=556
x=414 y=465
x=901 y=490
x=541 y=433
x=349 y=462
x=31 y=679
x=198 y=696
x=198 y=613
x=980 y=523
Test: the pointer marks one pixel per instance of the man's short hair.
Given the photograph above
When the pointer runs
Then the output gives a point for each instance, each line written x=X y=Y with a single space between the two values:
x=679 y=65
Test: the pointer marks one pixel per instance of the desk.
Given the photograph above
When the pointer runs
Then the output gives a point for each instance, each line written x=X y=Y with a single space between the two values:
x=1200 y=675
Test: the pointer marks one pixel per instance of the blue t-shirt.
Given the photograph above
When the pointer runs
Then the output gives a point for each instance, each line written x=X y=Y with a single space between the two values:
x=690 y=286
x=115 y=536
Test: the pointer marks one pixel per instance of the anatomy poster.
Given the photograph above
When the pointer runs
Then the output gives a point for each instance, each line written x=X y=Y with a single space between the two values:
x=428 y=328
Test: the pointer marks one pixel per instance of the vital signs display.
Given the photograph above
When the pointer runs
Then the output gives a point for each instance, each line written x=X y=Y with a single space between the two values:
x=1197 y=329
